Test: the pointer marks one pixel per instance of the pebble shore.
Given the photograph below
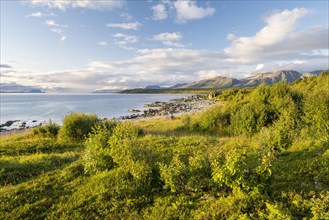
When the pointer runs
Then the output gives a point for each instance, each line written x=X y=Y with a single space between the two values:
x=172 y=108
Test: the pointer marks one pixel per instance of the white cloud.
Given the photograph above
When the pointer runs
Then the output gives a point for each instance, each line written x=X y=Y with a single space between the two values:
x=56 y=28
x=169 y=39
x=206 y=74
x=126 y=16
x=172 y=44
x=39 y=15
x=259 y=66
x=63 y=38
x=52 y=23
x=89 y=4
x=175 y=36
x=151 y=66
x=125 y=40
x=102 y=43
x=188 y=10
x=278 y=45
x=159 y=12
x=277 y=40
x=230 y=37
x=127 y=26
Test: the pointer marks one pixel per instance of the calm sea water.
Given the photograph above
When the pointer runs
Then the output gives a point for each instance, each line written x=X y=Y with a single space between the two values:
x=56 y=106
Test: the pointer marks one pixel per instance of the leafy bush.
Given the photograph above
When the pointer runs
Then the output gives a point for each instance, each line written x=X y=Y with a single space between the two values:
x=214 y=119
x=97 y=154
x=76 y=126
x=170 y=207
x=316 y=115
x=48 y=130
x=127 y=151
x=237 y=169
x=187 y=173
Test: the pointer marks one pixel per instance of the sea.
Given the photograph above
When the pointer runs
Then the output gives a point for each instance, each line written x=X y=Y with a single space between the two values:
x=45 y=106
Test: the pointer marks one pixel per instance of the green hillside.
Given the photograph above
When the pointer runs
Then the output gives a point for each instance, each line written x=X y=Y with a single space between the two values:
x=261 y=153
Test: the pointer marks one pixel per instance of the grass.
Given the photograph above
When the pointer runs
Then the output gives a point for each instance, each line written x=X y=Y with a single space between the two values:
x=193 y=167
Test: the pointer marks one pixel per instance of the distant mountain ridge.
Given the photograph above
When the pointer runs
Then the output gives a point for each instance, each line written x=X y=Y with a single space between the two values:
x=16 y=88
x=288 y=76
x=216 y=82
x=268 y=78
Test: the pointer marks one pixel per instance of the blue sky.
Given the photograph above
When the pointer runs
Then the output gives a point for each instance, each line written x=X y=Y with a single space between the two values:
x=85 y=45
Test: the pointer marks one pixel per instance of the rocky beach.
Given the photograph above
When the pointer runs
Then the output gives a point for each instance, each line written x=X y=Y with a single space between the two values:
x=172 y=108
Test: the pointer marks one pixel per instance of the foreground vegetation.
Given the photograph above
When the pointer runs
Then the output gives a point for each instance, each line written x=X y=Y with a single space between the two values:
x=259 y=154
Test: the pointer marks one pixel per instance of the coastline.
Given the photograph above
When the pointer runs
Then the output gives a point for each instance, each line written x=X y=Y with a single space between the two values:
x=157 y=109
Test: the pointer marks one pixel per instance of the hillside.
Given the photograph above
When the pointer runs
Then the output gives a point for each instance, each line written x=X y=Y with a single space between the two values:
x=288 y=76
x=261 y=153
x=216 y=82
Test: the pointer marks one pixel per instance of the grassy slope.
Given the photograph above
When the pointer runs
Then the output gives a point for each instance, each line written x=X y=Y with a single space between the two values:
x=44 y=178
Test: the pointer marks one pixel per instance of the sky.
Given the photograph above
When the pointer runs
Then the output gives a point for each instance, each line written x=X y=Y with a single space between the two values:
x=87 y=45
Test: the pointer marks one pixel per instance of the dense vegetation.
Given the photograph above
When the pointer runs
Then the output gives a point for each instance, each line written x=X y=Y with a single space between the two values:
x=259 y=154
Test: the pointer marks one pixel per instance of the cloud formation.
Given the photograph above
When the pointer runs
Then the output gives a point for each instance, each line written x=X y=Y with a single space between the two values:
x=88 y=4
x=278 y=45
x=56 y=28
x=127 y=26
x=102 y=43
x=159 y=12
x=169 y=39
x=277 y=40
x=188 y=10
x=7 y=66
x=125 y=40
x=40 y=14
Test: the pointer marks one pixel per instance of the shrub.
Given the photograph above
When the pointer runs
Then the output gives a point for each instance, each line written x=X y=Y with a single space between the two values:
x=97 y=154
x=187 y=173
x=316 y=115
x=48 y=130
x=214 y=119
x=76 y=126
x=129 y=153
x=239 y=169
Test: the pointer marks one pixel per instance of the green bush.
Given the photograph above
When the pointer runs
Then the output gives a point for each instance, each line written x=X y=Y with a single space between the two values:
x=214 y=119
x=76 y=126
x=97 y=154
x=187 y=173
x=316 y=115
x=48 y=130
x=129 y=153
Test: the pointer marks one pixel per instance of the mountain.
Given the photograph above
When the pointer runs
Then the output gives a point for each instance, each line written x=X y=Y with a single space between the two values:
x=288 y=76
x=106 y=91
x=154 y=87
x=177 y=86
x=16 y=88
x=313 y=73
x=216 y=82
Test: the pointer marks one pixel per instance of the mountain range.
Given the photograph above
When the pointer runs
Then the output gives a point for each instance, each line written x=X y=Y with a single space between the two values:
x=218 y=82
x=16 y=88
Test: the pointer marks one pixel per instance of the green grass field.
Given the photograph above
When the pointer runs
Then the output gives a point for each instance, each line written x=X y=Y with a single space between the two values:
x=258 y=154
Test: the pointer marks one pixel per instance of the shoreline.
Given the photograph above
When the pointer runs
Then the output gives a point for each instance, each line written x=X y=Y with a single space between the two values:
x=157 y=109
